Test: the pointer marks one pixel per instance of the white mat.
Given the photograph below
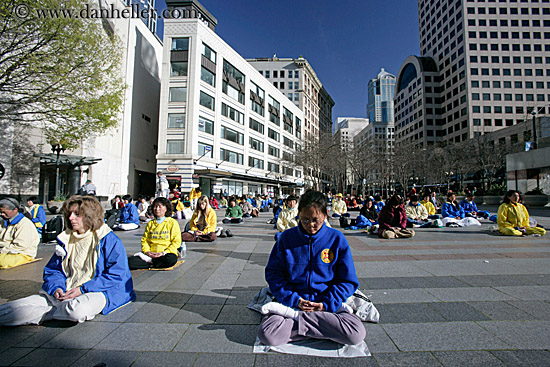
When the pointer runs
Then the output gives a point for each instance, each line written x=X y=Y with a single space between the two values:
x=316 y=347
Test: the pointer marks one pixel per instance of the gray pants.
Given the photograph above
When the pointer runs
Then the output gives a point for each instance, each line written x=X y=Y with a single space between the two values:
x=42 y=307
x=342 y=327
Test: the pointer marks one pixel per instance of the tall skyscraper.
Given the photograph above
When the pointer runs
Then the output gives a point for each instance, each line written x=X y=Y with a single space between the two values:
x=380 y=97
x=484 y=65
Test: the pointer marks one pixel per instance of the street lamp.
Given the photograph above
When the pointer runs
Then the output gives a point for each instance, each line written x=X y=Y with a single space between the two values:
x=57 y=149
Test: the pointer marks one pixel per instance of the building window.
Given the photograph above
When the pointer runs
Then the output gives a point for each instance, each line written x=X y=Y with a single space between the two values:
x=288 y=142
x=255 y=162
x=257 y=98
x=273 y=167
x=232 y=113
x=175 y=146
x=206 y=125
x=233 y=82
x=177 y=94
x=232 y=157
x=208 y=77
x=178 y=68
x=271 y=150
x=207 y=101
x=274 y=108
x=273 y=135
x=288 y=171
x=256 y=144
x=176 y=120
x=180 y=44
x=205 y=149
x=232 y=135
x=209 y=53
x=257 y=126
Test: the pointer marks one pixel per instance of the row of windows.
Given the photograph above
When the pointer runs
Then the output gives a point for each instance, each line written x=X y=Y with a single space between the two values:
x=504 y=22
x=506 y=47
x=513 y=11
x=280 y=73
x=497 y=71
x=507 y=35
x=281 y=85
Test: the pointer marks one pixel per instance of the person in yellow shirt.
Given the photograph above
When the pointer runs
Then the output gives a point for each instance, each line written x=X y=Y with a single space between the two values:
x=339 y=207
x=430 y=207
x=194 y=195
x=160 y=241
x=202 y=226
x=513 y=218
x=288 y=217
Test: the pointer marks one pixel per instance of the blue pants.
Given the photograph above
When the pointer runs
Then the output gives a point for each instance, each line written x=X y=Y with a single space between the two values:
x=435 y=216
x=420 y=223
x=336 y=215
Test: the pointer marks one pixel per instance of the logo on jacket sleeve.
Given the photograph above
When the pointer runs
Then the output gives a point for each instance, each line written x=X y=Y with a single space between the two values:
x=327 y=256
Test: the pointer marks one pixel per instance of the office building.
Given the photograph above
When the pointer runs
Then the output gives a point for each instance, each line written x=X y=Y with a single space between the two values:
x=223 y=125
x=484 y=65
x=380 y=93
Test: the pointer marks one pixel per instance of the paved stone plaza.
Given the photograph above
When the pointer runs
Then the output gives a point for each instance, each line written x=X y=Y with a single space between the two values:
x=448 y=296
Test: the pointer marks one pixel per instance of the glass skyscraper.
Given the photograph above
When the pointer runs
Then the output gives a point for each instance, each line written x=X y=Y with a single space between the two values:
x=380 y=97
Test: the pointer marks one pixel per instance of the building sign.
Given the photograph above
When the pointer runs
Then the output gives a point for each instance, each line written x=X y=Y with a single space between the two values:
x=172 y=168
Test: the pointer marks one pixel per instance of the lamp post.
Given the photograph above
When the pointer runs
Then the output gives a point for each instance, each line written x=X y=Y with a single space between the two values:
x=57 y=149
x=448 y=176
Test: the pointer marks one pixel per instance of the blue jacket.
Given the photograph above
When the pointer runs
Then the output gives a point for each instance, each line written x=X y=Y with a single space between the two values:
x=129 y=214
x=317 y=268
x=449 y=210
x=378 y=205
x=112 y=276
x=468 y=207
x=38 y=217
x=362 y=222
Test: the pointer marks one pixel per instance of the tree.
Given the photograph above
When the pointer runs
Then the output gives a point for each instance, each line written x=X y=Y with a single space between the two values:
x=59 y=73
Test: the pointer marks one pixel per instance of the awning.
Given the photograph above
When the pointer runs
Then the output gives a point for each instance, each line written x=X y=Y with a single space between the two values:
x=210 y=172
x=66 y=160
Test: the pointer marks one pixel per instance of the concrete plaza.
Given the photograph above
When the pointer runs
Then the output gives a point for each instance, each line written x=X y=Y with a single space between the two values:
x=448 y=296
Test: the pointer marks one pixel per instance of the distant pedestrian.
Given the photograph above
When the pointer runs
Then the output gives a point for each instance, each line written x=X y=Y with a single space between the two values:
x=87 y=189
x=163 y=187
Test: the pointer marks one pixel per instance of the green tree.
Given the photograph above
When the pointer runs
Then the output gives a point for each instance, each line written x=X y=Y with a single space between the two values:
x=61 y=74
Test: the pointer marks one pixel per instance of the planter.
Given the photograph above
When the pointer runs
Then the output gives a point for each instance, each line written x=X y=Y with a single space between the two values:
x=535 y=200
x=54 y=207
x=492 y=200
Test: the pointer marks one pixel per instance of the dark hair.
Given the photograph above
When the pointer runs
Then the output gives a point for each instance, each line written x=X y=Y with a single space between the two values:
x=449 y=194
x=314 y=199
x=377 y=198
x=140 y=197
x=506 y=198
x=290 y=198
x=414 y=197
x=89 y=209
x=395 y=200
x=127 y=197
x=34 y=199
x=426 y=195
x=164 y=202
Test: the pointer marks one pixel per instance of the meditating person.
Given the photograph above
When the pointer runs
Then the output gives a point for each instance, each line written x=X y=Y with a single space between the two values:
x=37 y=213
x=214 y=203
x=451 y=209
x=393 y=220
x=417 y=215
x=470 y=208
x=430 y=207
x=160 y=241
x=513 y=217
x=202 y=226
x=247 y=208
x=18 y=236
x=87 y=274
x=378 y=203
x=339 y=207
x=288 y=216
x=143 y=209
x=311 y=274
x=369 y=212
x=223 y=202
x=233 y=213
x=129 y=216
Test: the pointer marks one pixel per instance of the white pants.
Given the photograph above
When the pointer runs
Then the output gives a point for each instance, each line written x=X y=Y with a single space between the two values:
x=127 y=226
x=42 y=307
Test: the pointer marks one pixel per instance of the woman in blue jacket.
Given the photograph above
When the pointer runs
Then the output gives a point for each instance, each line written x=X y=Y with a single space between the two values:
x=87 y=275
x=451 y=209
x=311 y=274
x=129 y=216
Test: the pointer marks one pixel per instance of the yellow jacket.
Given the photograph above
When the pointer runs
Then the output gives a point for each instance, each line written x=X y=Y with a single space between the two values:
x=165 y=236
x=287 y=218
x=429 y=207
x=512 y=215
x=20 y=237
x=177 y=205
x=339 y=207
x=211 y=221
x=194 y=194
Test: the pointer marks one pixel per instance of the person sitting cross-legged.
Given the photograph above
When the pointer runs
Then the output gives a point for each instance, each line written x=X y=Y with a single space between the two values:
x=38 y=215
x=311 y=273
x=160 y=241
x=393 y=220
x=202 y=224
x=430 y=207
x=288 y=216
x=129 y=216
x=417 y=215
x=339 y=207
x=470 y=208
x=451 y=209
x=513 y=217
x=233 y=213
x=88 y=273
x=18 y=236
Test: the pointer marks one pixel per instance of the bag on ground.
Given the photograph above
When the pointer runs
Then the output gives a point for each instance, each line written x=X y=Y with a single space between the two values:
x=52 y=229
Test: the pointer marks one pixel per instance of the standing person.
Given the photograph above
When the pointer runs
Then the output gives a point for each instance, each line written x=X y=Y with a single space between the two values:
x=163 y=187
x=433 y=199
x=202 y=224
x=393 y=220
x=194 y=195
x=160 y=241
x=129 y=216
x=38 y=215
x=88 y=273
x=233 y=213
x=18 y=236
x=513 y=217
x=311 y=274
x=87 y=189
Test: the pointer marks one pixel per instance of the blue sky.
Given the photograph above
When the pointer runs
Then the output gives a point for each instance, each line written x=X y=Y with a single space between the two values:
x=346 y=42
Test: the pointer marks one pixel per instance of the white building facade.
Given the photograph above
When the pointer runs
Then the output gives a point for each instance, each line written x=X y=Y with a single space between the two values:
x=222 y=125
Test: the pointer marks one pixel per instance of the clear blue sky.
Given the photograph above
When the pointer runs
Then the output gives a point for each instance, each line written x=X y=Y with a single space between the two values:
x=346 y=42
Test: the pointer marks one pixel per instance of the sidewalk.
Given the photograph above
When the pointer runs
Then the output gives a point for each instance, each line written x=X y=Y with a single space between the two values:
x=448 y=296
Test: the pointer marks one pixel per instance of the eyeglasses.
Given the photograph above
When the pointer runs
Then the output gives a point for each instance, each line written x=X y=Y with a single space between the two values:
x=308 y=221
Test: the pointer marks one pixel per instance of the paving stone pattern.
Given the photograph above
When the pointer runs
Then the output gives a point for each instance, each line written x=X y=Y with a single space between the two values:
x=447 y=297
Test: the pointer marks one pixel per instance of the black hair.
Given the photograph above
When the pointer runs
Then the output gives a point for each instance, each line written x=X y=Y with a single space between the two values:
x=414 y=198
x=127 y=197
x=449 y=194
x=34 y=199
x=290 y=198
x=140 y=197
x=506 y=198
x=395 y=200
x=377 y=198
x=314 y=199
x=164 y=202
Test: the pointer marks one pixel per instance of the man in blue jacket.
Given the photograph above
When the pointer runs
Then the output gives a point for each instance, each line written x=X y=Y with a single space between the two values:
x=38 y=215
x=470 y=208
x=129 y=216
